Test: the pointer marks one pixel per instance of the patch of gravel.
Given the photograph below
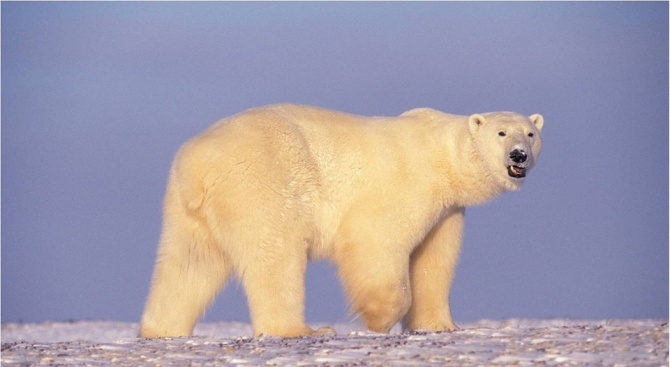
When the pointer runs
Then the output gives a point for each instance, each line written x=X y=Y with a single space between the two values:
x=491 y=343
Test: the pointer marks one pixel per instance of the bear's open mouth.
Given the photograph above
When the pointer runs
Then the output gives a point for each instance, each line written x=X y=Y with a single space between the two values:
x=516 y=171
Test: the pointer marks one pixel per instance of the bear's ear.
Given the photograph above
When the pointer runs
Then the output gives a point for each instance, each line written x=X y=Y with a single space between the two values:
x=538 y=120
x=476 y=121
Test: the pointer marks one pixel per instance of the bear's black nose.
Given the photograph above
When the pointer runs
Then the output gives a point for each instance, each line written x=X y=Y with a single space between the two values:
x=518 y=156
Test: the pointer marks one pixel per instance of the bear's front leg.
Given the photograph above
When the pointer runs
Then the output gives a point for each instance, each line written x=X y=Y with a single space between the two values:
x=376 y=282
x=432 y=267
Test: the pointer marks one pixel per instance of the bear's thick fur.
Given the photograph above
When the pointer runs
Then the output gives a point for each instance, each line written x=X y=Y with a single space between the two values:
x=260 y=193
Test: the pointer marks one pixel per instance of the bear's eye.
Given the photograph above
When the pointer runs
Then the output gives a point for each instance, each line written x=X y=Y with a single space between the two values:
x=502 y=133
x=530 y=135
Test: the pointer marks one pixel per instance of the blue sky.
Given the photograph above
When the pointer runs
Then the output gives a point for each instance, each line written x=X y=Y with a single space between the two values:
x=97 y=97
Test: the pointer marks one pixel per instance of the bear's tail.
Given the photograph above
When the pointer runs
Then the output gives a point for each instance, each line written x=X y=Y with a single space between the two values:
x=188 y=175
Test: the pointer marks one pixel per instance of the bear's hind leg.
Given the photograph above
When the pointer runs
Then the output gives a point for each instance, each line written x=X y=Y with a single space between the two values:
x=190 y=270
x=274 y=282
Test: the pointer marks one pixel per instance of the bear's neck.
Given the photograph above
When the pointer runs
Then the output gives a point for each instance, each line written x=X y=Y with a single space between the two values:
x=464 y=179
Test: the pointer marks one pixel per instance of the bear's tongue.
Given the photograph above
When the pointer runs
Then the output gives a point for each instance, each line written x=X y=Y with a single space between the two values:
x=516 y=172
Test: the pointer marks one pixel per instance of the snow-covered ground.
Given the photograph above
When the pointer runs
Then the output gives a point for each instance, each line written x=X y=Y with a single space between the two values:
x=493 y=343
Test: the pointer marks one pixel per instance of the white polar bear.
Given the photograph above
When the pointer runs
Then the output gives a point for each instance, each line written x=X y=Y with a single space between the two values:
x=261 y=192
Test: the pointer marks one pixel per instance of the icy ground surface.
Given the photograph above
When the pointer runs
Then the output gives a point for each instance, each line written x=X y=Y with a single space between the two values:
x=491 y=343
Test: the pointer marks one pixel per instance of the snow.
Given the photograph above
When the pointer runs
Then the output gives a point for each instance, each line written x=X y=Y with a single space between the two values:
x=519 y=342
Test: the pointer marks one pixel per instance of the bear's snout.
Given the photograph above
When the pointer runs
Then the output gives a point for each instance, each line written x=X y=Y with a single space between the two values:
x=518 y=156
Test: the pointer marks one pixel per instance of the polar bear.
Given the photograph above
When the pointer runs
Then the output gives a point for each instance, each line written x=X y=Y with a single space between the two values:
x=260 y=193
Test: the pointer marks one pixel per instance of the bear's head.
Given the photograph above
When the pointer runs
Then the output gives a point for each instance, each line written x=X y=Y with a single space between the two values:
x=507 y=144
